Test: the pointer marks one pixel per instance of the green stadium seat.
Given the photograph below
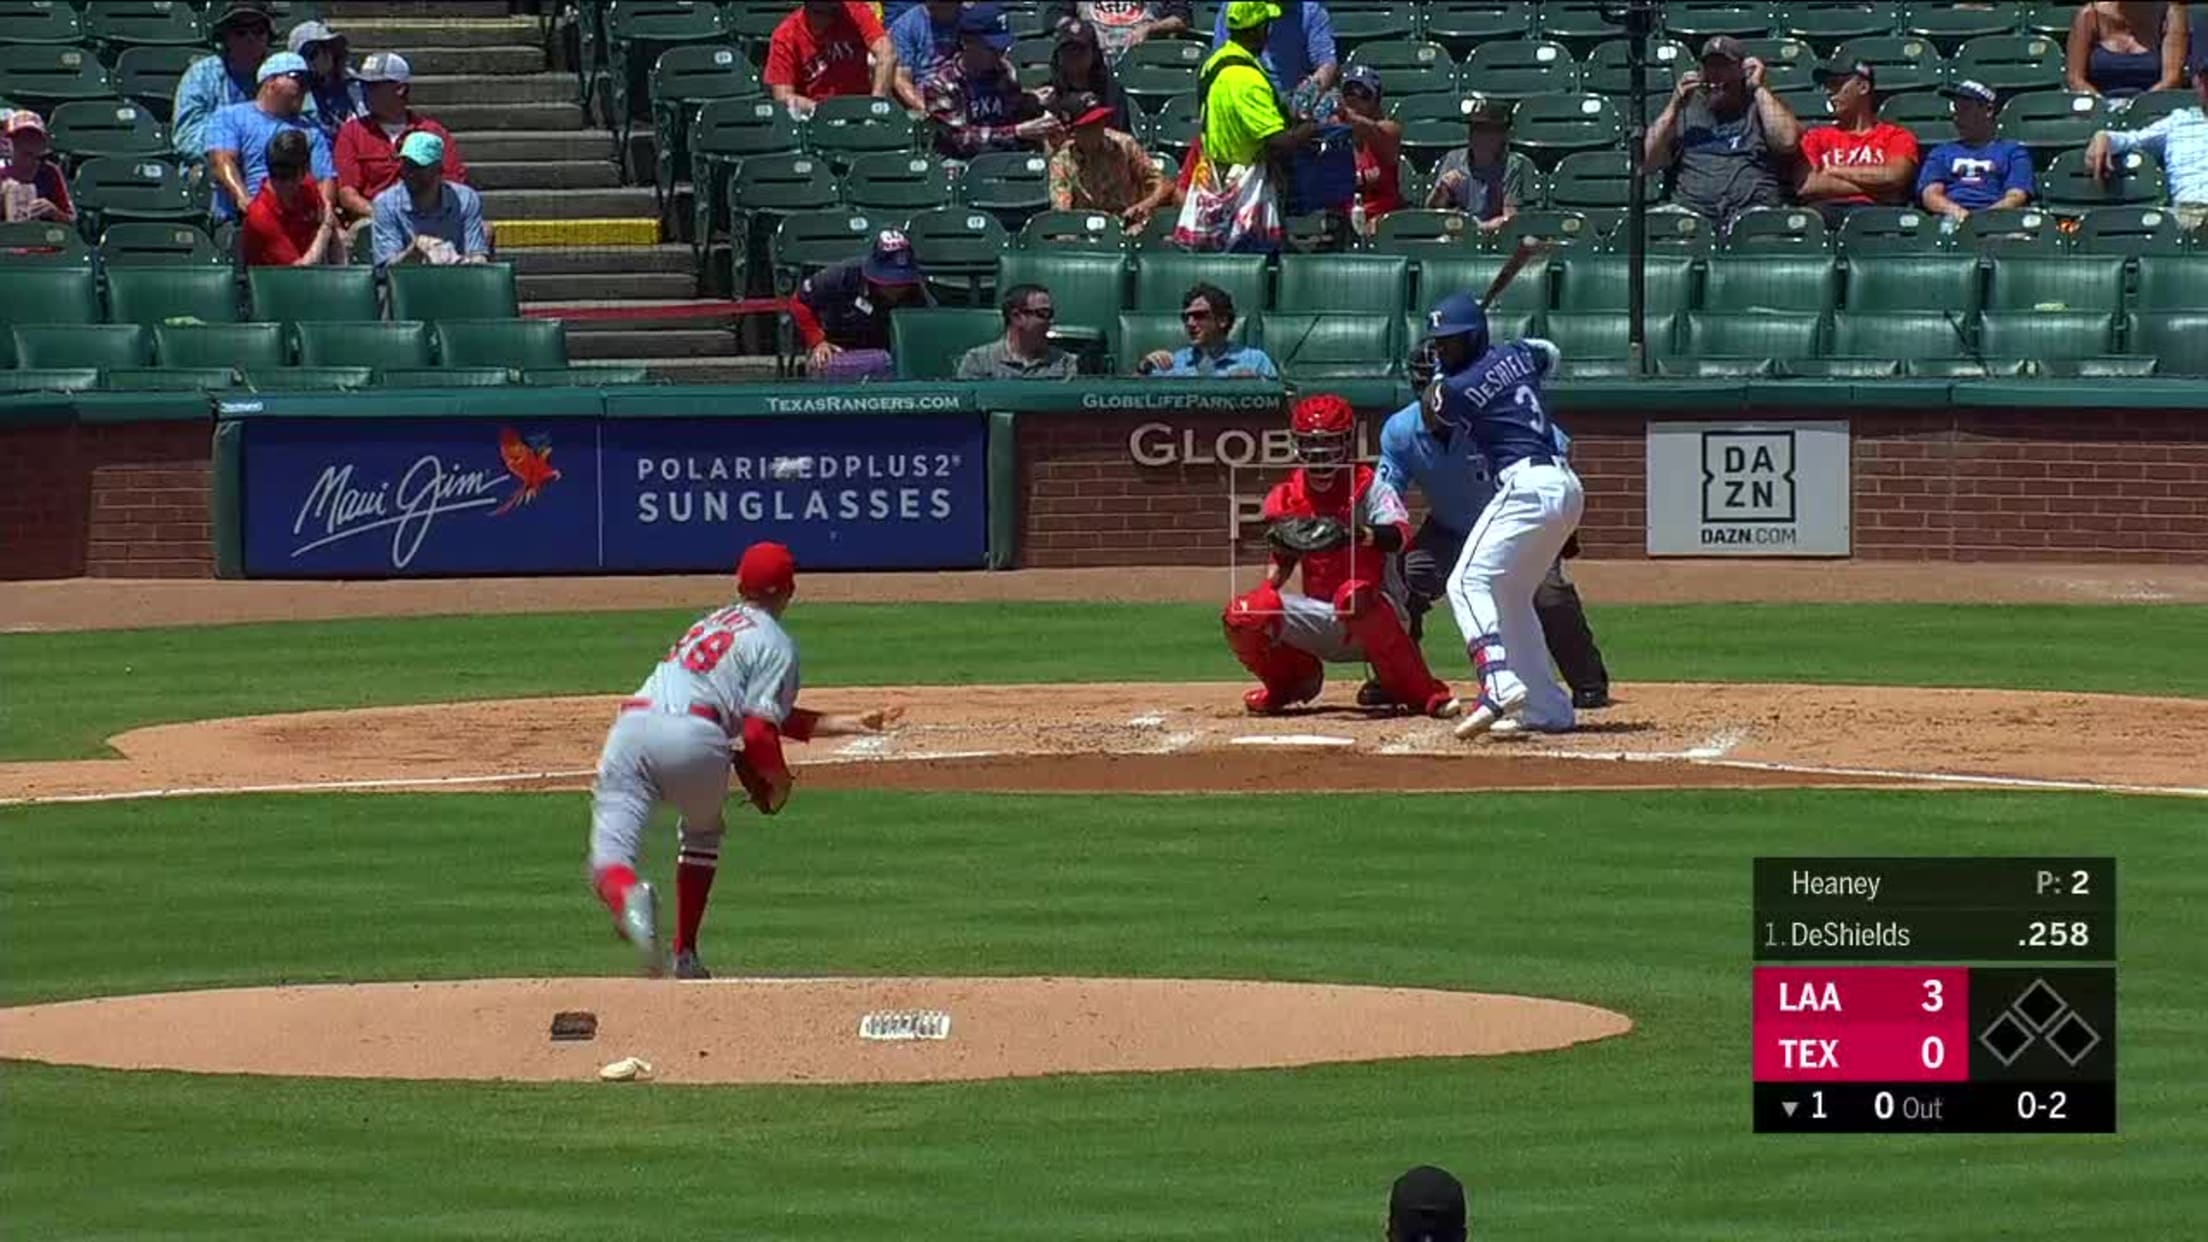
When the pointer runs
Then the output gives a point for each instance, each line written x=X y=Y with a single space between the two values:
x=1900 y=335
x=2022 y=230
x=104 y=346
x=723 y=133
x=1596 y=283
x=1892 y=230
x=1358 y=26
x=1144 y=332
x=1575 y=23
x=168 y=379
x=1173 y=126
x=2173 y=283
x=1520 y=69
x=251 y=345
x=457 y=291
x=43 y=75
x=2047 y=335
x=1924 y=114
x=377 y=345
x=1443 y=272
x=145 y=23
x=1954 y=367
x=1828 y=25
x=291 y=379
x=1417 y=231
x=1158 y=69
x=1087 y=288
x=1558 y=228
x=1408 y=68
x=2179 y=340
x=638 y=33
x=1953 y=25
x=806 y=241
x=761 y=192
x=89 y=128
x=1030 y=57
x=2030 y=283
x=2050 y=121
x=152 y=295
x=844 y=127
x=312 y=294
x=2146 y=109
x=113 y=191
x=142 y=244
x=1718 y=368
x=2130 y=231
x=2011 y=64
x=1808 y=104
x=1073 y=230
x=1376 y=284
x=1787 y=62
x=1461 y=25
x=1777 y=230
x=50 y=23
x=1433 y=126
x=444 y=377
x=50 y=379
x=958 y=249
x=1332 y=345
x=1596 y=334
x=585 y=376
x=1843 y=368
x=1606 y=71
x=682 y=81
x=1591 y=180
x=1317 y=232
x=148 y=76
x=1739 y=284
x=2113 y=367
x=2067 y=184
x=928 y=341
x=898 y=183
x=49 y=293
x=1011 y=185
x=512 y=343
x=1677 y=229
x=1692 y=21
x=752 y=24
x=1925 y=282
x=1163 y=277
x=1903 y=64
x=1550 y=127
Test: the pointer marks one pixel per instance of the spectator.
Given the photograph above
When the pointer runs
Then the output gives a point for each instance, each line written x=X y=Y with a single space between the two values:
x=1427 y=1205
x=821 y=51
x=2180 y=140
x=845 y=307
x=425 y=218
x=1079 y=66
x=31 y=186
x=1207 y=315
x=237 y=138
x=368 y=145
x=1976 y=172
x=1379 y=139
x=1484 y=178
x=979 y=105
x=1724 y=137
x=333 y=94
x=289 y=223
x=2121 y=48
x=1859 y=160
x=1121 y=24
x=1025 y=351
x=926 y=40
x=243 y=31
x=1247 y=134
x=1298 y=53
x=1104 y=169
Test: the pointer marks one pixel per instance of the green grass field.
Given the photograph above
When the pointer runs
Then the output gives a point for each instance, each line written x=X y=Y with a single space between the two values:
x=1634 y=901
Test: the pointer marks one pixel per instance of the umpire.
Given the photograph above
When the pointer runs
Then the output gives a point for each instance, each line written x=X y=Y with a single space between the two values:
x=1446 y=466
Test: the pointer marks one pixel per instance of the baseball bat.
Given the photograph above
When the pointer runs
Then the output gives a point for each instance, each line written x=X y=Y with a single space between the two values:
x=1528 y=247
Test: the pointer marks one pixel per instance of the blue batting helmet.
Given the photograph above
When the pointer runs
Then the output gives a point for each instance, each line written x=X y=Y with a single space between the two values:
x=1459 y=314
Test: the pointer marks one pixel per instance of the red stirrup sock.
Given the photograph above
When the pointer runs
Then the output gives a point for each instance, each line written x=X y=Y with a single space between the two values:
x=693 y=885
x=613 y=884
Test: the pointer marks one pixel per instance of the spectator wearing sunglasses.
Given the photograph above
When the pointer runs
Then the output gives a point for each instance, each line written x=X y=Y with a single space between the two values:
x=238 y=137
x=1025 y=351
x=1207 y=315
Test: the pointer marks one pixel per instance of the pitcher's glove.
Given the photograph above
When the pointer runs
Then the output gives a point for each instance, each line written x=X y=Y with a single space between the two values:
x=1305 y=535
x=766 y=795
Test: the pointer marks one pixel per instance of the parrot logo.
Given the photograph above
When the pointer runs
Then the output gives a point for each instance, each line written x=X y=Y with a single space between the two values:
x=530 y=462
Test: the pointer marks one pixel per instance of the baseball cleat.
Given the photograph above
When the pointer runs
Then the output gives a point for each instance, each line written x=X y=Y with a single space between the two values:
x=1593 y=698
x=1443 y=705
x=687 y=966
x=1264 y=701
x=1485 y=716
x=640 y=927
x=1517 y=726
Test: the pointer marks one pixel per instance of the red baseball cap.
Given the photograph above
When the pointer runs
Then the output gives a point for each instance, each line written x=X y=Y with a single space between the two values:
x=1094 y=116
x=766 y=569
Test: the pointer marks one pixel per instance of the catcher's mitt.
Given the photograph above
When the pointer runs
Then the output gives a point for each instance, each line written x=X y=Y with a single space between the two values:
x=1308 y=534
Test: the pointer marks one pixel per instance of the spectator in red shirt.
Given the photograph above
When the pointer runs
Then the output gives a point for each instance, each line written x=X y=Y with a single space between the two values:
x=368 y=145
x=821 y=51
x=1379 y=146
x=31 y=187
x=289 y=223
x=1859 y=161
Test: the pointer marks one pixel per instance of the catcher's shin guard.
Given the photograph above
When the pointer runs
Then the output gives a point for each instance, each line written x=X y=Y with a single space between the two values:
x=1397 y=663
x=1571 y=641
x=1288 y=676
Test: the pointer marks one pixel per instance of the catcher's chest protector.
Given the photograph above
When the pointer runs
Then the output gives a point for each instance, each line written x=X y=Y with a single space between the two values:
x=1325 y=572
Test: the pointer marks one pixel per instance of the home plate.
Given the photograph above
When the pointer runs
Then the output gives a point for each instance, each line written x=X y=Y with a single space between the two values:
x=1293 y=739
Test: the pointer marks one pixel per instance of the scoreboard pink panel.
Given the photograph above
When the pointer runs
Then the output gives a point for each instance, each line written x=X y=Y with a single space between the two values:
x=2021 y=1038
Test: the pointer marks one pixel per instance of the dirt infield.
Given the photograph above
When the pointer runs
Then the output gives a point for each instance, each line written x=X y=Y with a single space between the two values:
x=787 y=1030
x=1193 y=737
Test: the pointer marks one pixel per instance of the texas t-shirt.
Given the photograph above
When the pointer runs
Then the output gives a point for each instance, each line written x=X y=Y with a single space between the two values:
x=1976 y=177
x=1883 y=144
x=818 y=66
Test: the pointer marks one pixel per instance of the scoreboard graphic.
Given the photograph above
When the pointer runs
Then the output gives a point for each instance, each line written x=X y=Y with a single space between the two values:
x=2003 y=1020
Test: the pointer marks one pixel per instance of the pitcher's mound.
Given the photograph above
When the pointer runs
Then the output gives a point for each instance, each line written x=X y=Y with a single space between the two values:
x=787 y=1030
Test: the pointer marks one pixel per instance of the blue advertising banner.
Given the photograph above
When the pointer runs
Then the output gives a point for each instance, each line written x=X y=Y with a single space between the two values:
x=398 y=497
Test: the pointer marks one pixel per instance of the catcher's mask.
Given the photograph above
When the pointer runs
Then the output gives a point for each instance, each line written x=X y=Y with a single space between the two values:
x=1323 y=426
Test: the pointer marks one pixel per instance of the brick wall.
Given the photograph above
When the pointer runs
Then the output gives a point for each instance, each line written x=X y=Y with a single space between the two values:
x=118 y=500
x=1965 y=485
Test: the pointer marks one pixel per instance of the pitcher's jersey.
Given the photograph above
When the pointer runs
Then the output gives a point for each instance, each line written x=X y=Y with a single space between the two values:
x=738 y=660
x=1362 y=497
x=1498 y=399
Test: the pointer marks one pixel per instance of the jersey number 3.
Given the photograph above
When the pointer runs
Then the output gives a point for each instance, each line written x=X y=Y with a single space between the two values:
x=702 y=648
x=1530 y=401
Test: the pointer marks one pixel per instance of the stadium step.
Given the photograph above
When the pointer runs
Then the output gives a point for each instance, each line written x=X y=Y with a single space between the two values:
x=492 y=146
x=543 y=174
x=433 y=94
x=733 y=369
x=648 y=342
x=639 y=260
x=614 y=281
x=532 y=117
x=615 y=202
x=340 y=13
x=407 y=36
x=441 y=61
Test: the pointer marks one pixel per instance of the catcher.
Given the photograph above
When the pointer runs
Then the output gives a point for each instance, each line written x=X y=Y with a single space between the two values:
x=721 y=701
x=1346 y=530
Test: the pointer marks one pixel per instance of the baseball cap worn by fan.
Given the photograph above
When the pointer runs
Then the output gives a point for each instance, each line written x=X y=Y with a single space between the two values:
x=307 y=34
x=282 y=64
x=1724 y=47
x=1426 y=1205
x=1364 y=76
x=25 y=122
x=766 y=569
x=1840 y=71
x=384 y=67
x=1484 y=111
x=245 y=13
x=985 y=22
x=1971 y=92
x=891 y=261
x=423 y=149
x=1246 y=14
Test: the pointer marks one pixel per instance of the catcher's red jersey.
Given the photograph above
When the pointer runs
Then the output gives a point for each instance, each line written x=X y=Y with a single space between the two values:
x=1352 y=496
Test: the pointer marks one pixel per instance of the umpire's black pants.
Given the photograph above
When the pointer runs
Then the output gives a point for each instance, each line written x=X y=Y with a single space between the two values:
x=1433 y=554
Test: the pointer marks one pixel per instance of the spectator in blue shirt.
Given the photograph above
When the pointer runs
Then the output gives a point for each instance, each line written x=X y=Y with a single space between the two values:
x=1977 y=172
x=1207 y=314
x=213 y=83
x=926 y=39
x=237 y=139
x=425 y=218
x=334 y=96
x=1299 y=52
